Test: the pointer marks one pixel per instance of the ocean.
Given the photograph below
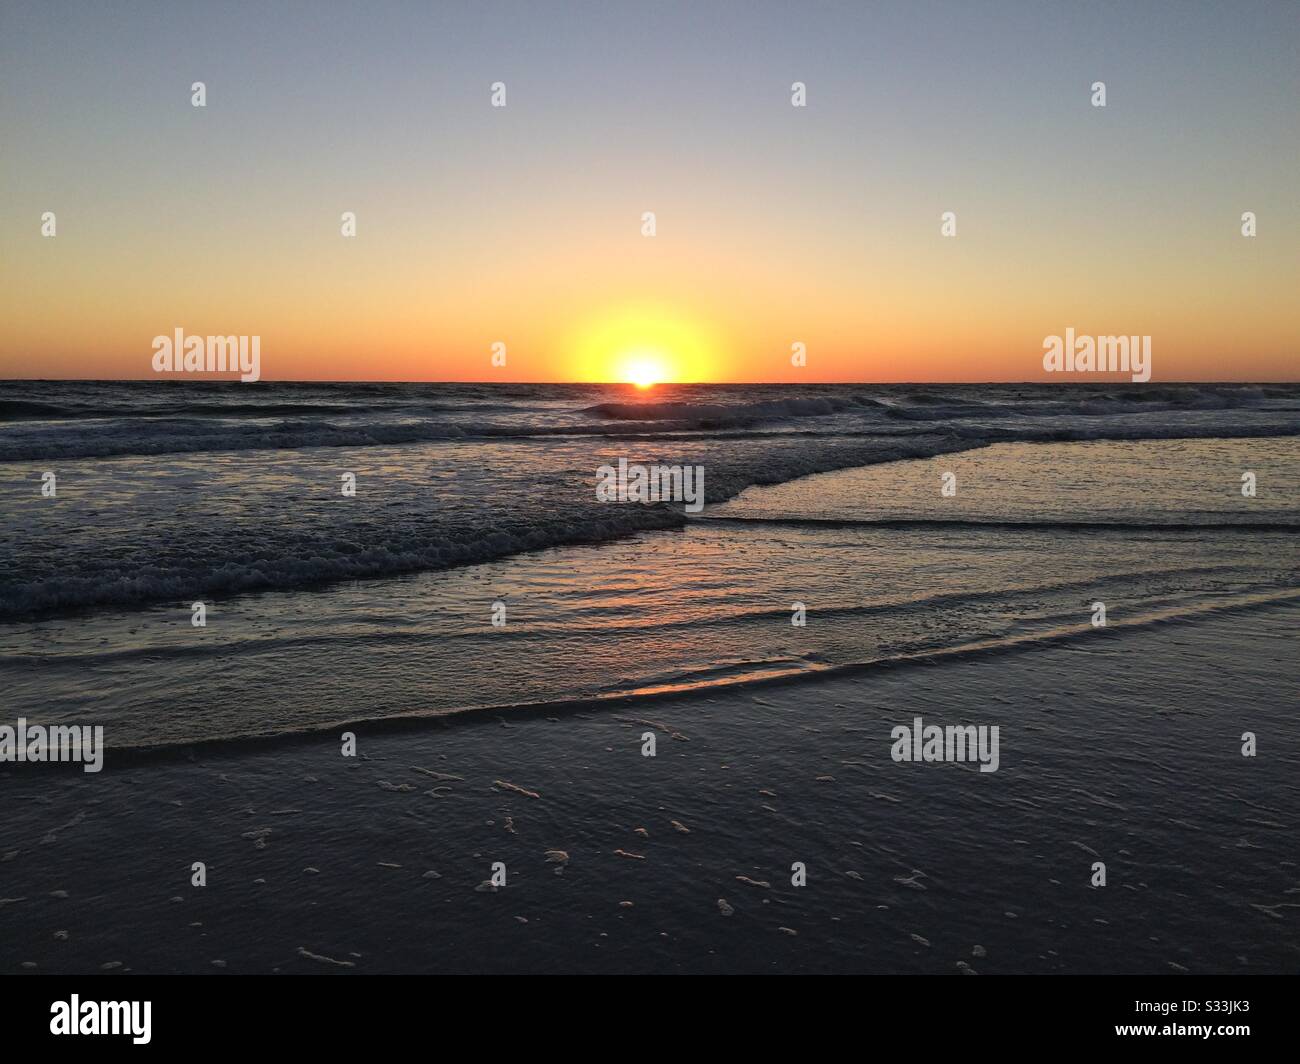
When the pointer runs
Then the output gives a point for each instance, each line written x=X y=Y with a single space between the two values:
x=374 y=776
x=825 y=505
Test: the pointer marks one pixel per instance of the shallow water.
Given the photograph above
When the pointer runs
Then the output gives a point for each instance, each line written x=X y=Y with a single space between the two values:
x=1036 y=535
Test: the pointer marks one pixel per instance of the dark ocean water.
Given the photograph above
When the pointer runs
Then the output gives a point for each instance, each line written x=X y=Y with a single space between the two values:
x=325 y=608
x=1120 y=744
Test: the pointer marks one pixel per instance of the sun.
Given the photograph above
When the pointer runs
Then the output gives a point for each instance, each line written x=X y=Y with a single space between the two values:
x=642 y=344
x=643 y=371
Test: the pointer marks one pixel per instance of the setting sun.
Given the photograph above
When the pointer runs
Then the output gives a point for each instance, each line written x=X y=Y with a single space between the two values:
x=644 y=345
x=643 y=371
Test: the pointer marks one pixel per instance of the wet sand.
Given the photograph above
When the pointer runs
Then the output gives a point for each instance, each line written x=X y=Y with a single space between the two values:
x=1122 y=746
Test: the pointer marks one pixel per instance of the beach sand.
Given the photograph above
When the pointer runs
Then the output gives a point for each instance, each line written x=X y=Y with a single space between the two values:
x=682 y=862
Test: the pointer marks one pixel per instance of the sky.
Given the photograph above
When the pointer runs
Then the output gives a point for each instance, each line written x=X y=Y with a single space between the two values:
x=775 y=225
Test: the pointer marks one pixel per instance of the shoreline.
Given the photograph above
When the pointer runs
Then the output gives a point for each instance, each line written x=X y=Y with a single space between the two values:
x=315 y=861
x=466 y=715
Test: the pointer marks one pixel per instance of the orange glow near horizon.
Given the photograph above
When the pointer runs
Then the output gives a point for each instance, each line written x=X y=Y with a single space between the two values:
x=719 y=317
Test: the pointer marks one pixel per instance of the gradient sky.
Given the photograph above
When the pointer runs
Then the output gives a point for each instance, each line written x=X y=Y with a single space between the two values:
x=775 y=224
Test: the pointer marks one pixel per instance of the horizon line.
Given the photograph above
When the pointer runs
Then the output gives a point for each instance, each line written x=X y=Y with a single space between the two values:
x=186 y=379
